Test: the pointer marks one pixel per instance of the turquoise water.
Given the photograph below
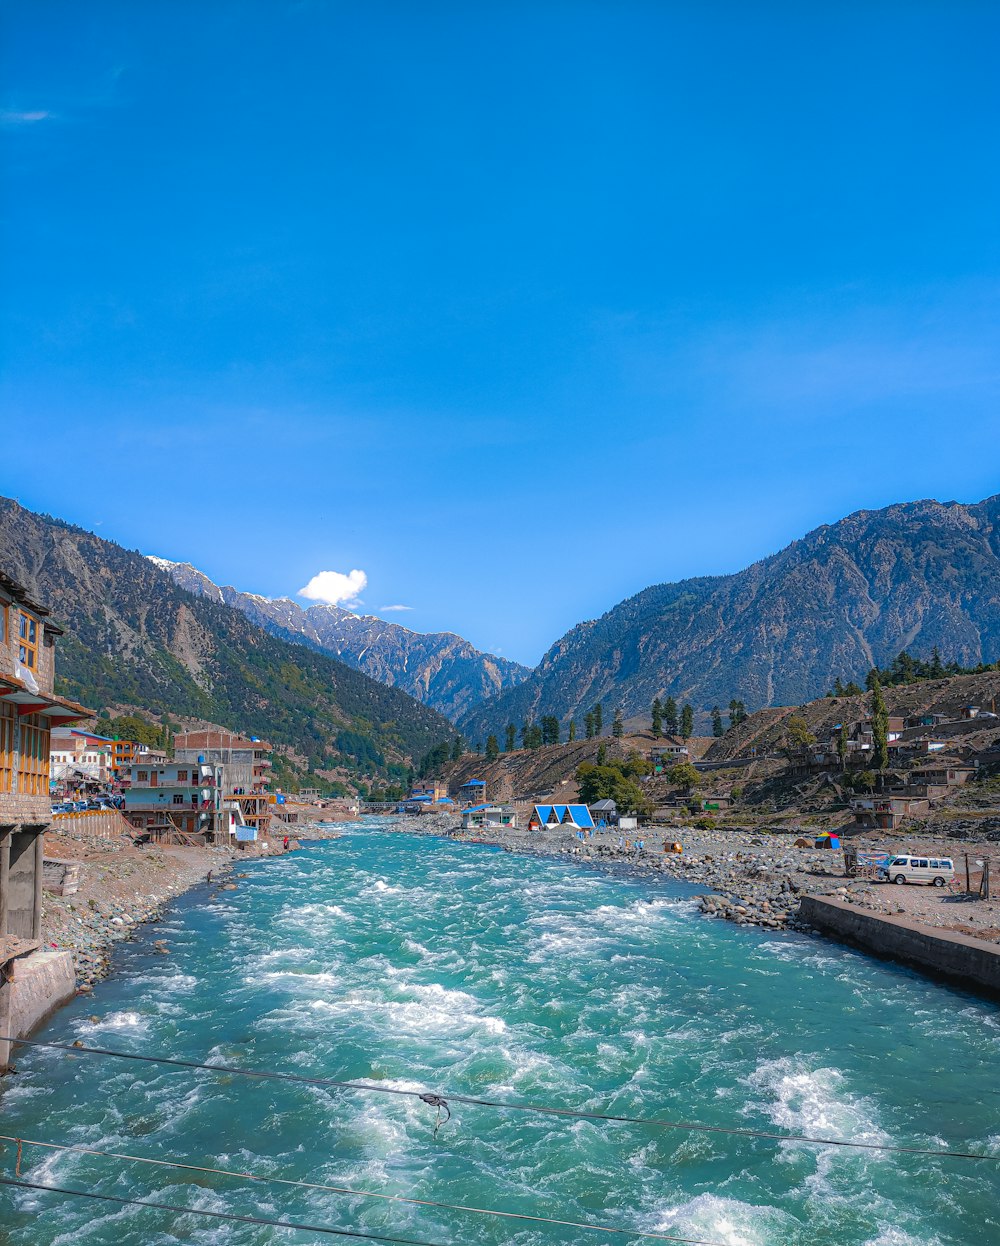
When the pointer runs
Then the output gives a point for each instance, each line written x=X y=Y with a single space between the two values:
x=424 y=963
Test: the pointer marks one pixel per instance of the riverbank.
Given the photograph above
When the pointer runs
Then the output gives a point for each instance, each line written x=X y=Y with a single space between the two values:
x=122 y=887
x=755 y=878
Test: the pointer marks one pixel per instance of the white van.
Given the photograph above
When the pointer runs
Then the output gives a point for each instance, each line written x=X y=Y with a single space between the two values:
x=909 y=869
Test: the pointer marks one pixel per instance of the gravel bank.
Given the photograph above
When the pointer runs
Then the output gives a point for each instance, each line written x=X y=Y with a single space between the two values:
x=757 y=879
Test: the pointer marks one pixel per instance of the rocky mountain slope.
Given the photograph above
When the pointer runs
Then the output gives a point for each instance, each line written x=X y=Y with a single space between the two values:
x=438 y=668
x=134 y=638
x=848 y=596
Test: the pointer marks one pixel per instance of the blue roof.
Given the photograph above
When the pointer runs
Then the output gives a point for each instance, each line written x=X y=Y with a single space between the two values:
x=475 y=783
x=579 y=814
x=476 y=808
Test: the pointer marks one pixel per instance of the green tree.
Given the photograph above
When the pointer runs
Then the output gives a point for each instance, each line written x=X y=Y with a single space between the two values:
x=936 y=668
x=618 y=725
x=687 y=722
x=798 y=733
x=588 y=724
x=717 y=727
x=511 y=738
x=670 y=723
x=572 y=730
x=880 y=725
x=864 y=781
x=684 y=775
x=610 y=781
x=602 y=754
x=737 y=712
x=598 y=719
x=492 y=748
x=457 y=748
x=657 y=718
x=550 y=729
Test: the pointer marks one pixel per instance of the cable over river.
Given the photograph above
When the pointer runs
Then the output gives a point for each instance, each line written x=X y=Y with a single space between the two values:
x=455 y=969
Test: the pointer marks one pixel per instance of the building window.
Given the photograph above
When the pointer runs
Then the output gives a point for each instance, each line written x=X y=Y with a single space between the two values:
x=182 y=776
x=7 y=720
x=142 y=776
x=28 y=650
x=178 y=799
x=33 y=761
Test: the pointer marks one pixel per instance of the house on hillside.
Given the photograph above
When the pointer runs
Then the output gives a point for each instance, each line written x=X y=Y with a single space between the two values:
x=886 y=813
x=669 y=752
x=553 y=817
x=473 y=792
x=29 y=711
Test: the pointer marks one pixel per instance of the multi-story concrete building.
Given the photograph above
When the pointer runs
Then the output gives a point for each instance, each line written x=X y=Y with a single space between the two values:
x=80 y=753
x=29 y=709
x=246 y=768
x=179 y=796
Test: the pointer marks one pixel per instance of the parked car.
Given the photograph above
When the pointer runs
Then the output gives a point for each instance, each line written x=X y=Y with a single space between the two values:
x=909 y=869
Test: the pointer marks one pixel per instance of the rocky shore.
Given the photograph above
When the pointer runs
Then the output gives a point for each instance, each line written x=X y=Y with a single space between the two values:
x=751 y=878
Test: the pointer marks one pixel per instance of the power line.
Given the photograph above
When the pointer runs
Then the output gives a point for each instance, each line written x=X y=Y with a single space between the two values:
x=215 y=1215
x=502 y=1105
x=339 y=1189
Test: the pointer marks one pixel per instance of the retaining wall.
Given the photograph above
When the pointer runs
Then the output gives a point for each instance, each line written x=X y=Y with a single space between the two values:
x=971 y=962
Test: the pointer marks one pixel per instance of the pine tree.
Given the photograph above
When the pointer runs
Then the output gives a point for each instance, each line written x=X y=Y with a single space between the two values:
x=602 y=754
x=457 y=748
x=657 y=718
x=511 y=738
x=492 y=748
x=598 y=719
x=737 y=712
x=717 y=728
x=670 y=716
x=572 y=730
x=588 y=724
x=687 y=722
x=880 y=725
x=618 y=725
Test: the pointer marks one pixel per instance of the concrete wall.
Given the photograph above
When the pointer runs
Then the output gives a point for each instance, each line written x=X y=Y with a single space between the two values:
x=970 y=962
x=35 y=987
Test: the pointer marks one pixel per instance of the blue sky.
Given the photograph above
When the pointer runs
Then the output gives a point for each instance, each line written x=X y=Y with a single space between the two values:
x=511 y=308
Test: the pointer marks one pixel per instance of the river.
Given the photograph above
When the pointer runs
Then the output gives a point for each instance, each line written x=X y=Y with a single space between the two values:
x=423 y=963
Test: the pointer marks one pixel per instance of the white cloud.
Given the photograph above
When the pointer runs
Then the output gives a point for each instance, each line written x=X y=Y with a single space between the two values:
x=335 y=588
x=10 y=116
x=384 y=609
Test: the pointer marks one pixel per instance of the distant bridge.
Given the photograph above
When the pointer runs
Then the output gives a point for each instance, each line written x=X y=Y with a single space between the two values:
x=378 y=806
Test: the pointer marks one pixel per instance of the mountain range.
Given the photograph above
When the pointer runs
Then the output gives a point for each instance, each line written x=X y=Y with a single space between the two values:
x=438 y=668
x=136 y=640
x=844 y=598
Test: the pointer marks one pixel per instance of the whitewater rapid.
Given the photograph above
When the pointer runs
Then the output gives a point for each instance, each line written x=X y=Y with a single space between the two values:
x=424 y=964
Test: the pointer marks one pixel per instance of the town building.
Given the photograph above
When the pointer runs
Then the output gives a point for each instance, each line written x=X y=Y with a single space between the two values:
x=473 y=792
x=76 y=754
x=480 y=816
x=669 y=752
x=29 y=711
x=178 y=796
x=246 y=768
x=552 y=817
